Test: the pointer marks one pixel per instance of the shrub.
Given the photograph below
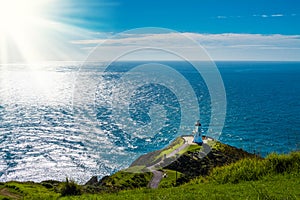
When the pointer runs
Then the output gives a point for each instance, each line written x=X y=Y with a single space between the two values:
x=70 y=188
x=284 y=163
x=244 y=170
x=254 y=168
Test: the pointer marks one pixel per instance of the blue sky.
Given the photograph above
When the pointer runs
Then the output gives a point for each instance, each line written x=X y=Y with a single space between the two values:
x=202 y=16
x=228 y=29
x=213 y=16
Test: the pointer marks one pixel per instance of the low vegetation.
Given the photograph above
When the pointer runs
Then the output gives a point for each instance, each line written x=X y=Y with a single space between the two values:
x=256 y=168
x=241 y=176
x=70 y=188
x=126 y=180
x=155 y=156
x=198 y=161
x=269 y=188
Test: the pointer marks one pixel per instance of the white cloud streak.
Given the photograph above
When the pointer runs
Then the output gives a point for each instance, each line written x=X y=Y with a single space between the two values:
x=255 y=15
x=227 y=46
x=277 y=15
x=272 y=15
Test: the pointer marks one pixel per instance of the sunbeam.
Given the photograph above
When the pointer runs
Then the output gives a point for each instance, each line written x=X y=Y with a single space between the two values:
x=28 y=34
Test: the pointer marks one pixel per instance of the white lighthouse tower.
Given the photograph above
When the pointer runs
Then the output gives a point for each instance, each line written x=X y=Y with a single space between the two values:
x=198 y=133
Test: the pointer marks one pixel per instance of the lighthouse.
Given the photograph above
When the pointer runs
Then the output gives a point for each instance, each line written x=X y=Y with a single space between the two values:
x=198 y=133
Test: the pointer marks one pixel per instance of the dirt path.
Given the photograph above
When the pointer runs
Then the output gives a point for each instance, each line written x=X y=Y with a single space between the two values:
x=5 y=192
x=157 y=175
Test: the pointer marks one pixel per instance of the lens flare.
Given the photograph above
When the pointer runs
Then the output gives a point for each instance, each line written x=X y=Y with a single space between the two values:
x=33 y=31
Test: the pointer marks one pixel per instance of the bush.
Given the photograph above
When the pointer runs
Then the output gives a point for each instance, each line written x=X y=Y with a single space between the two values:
x=244 y=170
x=254 y=168
x=70 y=188
x=284 y=163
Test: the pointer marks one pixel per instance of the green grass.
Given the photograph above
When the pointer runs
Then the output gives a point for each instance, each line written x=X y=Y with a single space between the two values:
x=275 y=177
x=127 y=180
x=191 y=148
x=170 y=179
x=282 y=186
x=174 y=145
x=255 y=168
x=277 y=187
x=155 y=156
x=29 y=190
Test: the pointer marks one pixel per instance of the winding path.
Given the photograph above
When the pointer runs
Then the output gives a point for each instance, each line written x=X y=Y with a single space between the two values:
x=157 y=175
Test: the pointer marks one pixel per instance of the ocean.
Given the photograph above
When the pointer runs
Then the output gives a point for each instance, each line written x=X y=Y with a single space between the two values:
x=49 y=129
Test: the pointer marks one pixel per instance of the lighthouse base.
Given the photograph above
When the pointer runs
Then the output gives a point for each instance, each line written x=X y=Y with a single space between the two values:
x=198 y=140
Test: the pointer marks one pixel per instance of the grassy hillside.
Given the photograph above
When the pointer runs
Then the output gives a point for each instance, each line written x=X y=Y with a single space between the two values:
x=200 y=160
x=276 y=177
x=126 y=180
x=225 y=173
x=155 y=156
x=254 y=169
x=275 y=187
x=193 y=161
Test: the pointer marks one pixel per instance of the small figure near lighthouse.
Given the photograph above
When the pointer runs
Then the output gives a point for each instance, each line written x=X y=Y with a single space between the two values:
x=198 y=133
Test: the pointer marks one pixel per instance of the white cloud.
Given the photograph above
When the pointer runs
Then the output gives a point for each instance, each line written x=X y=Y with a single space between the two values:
x=277 y=15
x=227 y=46
x=266 y=16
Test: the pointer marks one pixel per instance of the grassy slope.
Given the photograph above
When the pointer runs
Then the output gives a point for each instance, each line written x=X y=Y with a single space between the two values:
x=27 y=190
x=193 y=162
x=276 y=177
x=126 y=180
x=270 y=187
x=276 y=187
x=154 y=157
x=170 y=180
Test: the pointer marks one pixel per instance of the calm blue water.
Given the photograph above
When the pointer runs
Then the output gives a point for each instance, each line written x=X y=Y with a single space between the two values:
x=44 y=135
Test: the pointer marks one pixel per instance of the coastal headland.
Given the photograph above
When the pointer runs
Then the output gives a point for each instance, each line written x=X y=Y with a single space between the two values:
x=181 y=170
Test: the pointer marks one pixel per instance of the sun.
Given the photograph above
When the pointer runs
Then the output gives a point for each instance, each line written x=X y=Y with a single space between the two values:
x=33 y=31
x=15 y=14
x=19 y=19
